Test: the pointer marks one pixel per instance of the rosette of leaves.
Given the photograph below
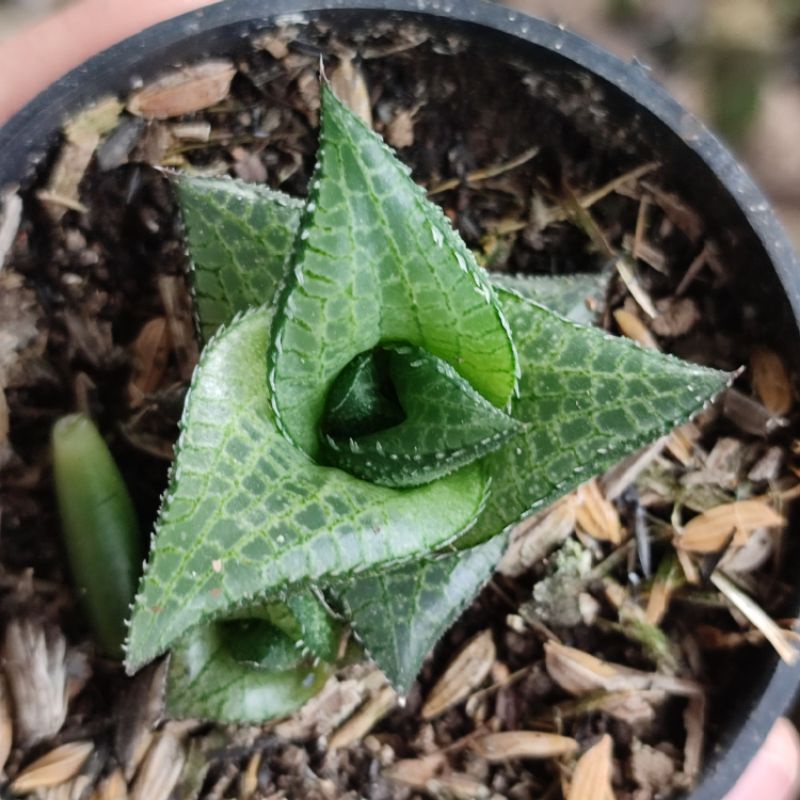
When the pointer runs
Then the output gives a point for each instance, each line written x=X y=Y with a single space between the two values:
x=371 y=413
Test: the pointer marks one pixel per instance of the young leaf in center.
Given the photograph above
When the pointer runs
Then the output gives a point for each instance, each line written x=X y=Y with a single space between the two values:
x=446 y=425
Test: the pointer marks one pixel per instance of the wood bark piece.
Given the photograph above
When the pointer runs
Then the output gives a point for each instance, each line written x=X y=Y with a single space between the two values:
x=184 y=91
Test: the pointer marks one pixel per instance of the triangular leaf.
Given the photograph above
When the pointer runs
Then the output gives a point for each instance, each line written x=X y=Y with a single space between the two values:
x=248 y=514
x=589 y=398
x=577 y=297
x=376 y=262
x=399 y=615
x=447 y=425
x=239 y=236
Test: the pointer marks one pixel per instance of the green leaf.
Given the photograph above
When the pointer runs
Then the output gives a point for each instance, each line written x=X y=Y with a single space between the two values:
x=362 y=399
x=576 y=297
x=239 y=236
x=398 y=616
x=376 y=262
x=248 y=515
x=589 y=399
x=205 y=681
x=447 y=426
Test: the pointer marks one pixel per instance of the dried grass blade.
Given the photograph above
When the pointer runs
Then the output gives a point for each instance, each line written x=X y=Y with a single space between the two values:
x=466 y=672
x=592 y=777
x=596 y=515
x=54 y=768
x=636 y=289
x=710 y=531
x=363 y=721
x=499 y=747
x=775 y=635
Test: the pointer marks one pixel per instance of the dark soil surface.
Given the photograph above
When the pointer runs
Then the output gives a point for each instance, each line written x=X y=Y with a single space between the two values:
x=95 y=315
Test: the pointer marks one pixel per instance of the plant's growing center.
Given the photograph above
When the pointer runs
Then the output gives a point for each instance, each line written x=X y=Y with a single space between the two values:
x=399 y=416
x=376 y=414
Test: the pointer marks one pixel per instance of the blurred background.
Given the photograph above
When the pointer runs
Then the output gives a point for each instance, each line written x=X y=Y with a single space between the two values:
x=734 y=63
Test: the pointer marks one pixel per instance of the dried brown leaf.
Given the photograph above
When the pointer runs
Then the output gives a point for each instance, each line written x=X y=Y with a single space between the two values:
x=160 y=769
x=665 y=583
x=365 y=719
x=347 y=82
x=651 y=769
x=749 y=415
x=771 y=380
x=632 y=327
x=175 y=299
x=10 y=218
x=400 y=130
x=139 y=711
x=592 y=777
x=248 y=780
x=324 y=712
x=580 y=673
x=274 y=43
x=710 y=531
x=113 y=787
x=534 y=538
x=464 y=674
x=676 y=316
x=596 y=515
x=37 y=679
x=416 y=772
x=192 y=131
x=56 y=767
x=184 y=91
x=149 y=356
x=6 y=723
x=694 y=719
x=457 y=786
x=83 y=134
x=499 y=747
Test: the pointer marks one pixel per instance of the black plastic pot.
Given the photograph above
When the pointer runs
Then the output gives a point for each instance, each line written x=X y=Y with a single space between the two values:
x=707 y=174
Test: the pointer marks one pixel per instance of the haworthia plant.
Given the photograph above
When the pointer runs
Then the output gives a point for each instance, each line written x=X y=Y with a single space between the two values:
x=371 y=413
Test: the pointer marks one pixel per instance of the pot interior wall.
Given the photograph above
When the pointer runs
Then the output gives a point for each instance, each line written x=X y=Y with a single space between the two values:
x=491 y=96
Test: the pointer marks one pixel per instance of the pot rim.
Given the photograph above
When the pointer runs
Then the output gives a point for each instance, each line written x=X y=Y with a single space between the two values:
x=29 y=133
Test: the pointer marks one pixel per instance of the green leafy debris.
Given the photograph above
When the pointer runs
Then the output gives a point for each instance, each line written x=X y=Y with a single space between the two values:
x=101 y=531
